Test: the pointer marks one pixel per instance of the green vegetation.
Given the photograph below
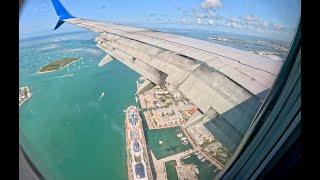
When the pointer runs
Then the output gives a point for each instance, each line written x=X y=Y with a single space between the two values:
x=25 y=92
x=171 y=170
x=222 y=155
x=55 y=65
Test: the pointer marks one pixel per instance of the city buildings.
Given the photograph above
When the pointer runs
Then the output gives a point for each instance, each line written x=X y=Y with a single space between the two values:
x=165 y=107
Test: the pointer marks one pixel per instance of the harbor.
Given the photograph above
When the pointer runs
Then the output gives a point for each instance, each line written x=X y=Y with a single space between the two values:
x=180 y=144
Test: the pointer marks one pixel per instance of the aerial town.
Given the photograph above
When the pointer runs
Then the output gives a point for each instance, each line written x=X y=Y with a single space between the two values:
x=163 y=108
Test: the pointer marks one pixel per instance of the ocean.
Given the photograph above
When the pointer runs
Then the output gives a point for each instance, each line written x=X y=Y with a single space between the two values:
x=65 y=129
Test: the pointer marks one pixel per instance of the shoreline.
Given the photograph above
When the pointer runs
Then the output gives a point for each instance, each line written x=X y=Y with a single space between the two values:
x=20 y=104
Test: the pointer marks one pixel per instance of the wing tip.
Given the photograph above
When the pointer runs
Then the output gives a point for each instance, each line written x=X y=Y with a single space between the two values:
x=62 y=12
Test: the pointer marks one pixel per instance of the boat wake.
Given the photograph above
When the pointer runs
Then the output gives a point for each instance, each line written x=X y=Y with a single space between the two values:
x=57 y=77
x=101 y=96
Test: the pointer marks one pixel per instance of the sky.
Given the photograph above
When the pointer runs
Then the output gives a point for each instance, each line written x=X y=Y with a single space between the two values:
x=275 y=19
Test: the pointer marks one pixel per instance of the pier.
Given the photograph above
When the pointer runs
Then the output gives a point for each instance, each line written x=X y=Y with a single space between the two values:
x=177 y=156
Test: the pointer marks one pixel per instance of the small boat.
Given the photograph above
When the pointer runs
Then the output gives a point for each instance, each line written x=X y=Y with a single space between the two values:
x=183 y=138
x=186 y=157
x=185 y=142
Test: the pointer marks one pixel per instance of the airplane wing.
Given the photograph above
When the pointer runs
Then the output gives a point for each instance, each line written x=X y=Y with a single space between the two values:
x=220 y=79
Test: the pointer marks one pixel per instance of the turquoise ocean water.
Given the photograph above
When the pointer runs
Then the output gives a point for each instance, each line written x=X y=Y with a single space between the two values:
x=65 y=129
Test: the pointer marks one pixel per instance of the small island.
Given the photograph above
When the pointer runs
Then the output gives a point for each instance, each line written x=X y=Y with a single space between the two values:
x=24 y=94
x=55 y=65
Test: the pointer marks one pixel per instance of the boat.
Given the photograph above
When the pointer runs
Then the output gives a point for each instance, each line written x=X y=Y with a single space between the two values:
x=185 y=142
x=183 y=138
x=186 y=157
x=196 y=169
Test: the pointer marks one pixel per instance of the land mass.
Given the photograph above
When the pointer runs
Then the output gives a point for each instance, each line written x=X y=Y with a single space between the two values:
x=165 y=107
x=55 y=65
x=24 y=94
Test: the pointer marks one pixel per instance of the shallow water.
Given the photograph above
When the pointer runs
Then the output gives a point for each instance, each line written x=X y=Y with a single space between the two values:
x=64 y=129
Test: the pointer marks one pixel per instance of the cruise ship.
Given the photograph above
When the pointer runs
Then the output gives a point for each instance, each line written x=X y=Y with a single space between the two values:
x=137 y=157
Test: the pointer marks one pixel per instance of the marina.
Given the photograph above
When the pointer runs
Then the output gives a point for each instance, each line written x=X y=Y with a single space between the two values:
x=175 y=133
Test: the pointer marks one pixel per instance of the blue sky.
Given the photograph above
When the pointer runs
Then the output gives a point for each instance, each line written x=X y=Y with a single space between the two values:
x=275 y=19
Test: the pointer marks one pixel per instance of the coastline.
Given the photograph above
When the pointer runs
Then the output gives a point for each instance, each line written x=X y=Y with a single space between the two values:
x=25 y=100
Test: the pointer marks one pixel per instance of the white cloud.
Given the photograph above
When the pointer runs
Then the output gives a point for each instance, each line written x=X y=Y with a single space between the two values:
x=198 y=21
x=234 y=19
x=264 y=24
x=252 y=18
x=277 y=27
x=208 y=16
x=234 y=25
x=255 y=22
x=201 y=14
x=211 y=4
x=211 y=13
x=187 y=21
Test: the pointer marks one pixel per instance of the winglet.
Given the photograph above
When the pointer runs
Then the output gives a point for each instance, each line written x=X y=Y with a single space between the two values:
x=62 y=12
x=59 y=23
